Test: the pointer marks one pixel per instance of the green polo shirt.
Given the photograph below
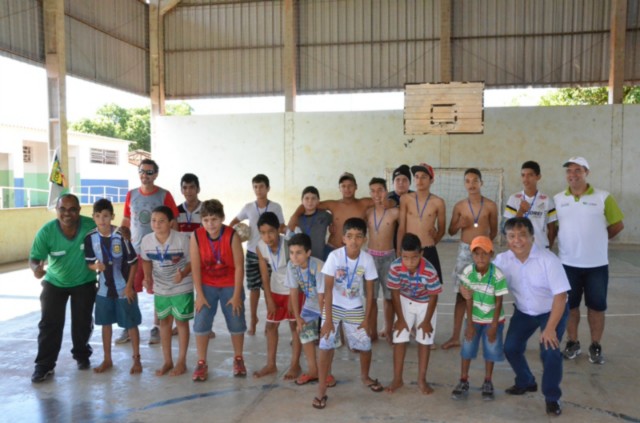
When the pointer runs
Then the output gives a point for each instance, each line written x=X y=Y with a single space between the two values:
x=66 y=267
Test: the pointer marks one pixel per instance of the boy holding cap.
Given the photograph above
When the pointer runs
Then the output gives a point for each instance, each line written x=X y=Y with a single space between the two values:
x=483 y=286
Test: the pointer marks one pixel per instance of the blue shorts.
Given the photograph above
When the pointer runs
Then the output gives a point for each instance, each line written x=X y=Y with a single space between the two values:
x=117 y=310
x=593 y=282
x=203 y=321
x=490 y=351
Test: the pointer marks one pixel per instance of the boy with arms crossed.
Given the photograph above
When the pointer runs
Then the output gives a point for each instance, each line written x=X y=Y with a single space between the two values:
x=165 y=255
x=538 y=207
x=475 y=215
x=314 y=222
x=381 y=222
x=483 y=286
x=252 y=211
x=217 y=264
x=304 y=277
x=113 y=257
x=414 y=287
x=346 y=272
x=272 y=258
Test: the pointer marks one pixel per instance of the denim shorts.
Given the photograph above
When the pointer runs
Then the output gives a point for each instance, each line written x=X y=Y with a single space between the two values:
x=203 y=321
x=593 y=282
x=490 y=351
x=117 y=310
x=382 y=266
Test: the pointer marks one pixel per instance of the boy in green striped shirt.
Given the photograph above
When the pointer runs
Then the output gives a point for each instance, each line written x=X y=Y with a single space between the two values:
x=483 y=287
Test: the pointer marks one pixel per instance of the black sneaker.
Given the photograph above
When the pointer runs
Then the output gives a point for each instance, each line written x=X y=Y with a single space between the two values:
x=553 y=408
x=571 y=350
x=461 y=390
x=595 y=353
x=487 y=391
x=517 y=390
x=84 y=364
x=41 y=374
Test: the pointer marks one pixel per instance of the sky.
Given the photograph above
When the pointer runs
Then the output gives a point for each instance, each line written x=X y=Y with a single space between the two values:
x=23 y=98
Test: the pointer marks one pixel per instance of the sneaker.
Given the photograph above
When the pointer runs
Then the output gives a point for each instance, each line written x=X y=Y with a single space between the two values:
x=238 y=367
x=461 y=390
x=84 y=364
x=154 y=336
x=487 y=391
x=41 y=374
x=595 y=353
x=517 y=390
x=553 y=408
x=201 y=373
x=123 y=338
x=571 y=350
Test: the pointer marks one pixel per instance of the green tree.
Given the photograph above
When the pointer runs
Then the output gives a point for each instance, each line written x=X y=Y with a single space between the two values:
x=587 y=96
x=132 y=124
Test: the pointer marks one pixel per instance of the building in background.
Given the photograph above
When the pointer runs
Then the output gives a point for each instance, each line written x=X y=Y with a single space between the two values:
x=98 y=167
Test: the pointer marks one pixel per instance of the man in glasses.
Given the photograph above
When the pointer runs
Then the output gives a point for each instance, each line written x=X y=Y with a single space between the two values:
x=138 y=206
x=60 y=243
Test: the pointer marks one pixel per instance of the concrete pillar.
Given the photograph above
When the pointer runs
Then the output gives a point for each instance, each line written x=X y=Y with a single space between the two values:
x=616 y=50
x=446 y=69
x=55 y=66
x=289 y=68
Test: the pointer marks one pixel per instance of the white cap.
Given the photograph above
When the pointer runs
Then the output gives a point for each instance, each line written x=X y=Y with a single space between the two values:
x=577 y=160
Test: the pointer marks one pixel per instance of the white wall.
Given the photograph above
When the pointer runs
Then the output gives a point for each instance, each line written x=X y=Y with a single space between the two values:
x=301 y=149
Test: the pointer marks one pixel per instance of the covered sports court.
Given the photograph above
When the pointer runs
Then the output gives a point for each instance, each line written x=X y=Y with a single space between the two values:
x=194 y=49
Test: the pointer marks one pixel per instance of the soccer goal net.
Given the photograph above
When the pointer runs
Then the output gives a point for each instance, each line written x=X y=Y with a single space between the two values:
x=449 y=184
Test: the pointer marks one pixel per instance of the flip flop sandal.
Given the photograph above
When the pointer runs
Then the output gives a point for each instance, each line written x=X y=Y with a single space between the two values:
x=376 y=386
x=331 y=381
x=320 y=403
x=304 y=379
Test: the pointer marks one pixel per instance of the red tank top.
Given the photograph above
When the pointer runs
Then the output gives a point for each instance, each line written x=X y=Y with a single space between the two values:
x=216 y=258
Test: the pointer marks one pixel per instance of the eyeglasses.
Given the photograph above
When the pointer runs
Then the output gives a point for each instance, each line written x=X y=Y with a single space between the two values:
x=147 y=172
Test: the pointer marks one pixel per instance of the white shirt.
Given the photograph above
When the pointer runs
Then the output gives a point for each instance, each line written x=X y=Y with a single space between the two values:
x=349 y=277
x=535 y=282
x=252 y=212
x=541 y=213
x=278 y=263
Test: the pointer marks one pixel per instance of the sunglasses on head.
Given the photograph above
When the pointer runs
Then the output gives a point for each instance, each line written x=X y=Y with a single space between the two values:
x=146 y=172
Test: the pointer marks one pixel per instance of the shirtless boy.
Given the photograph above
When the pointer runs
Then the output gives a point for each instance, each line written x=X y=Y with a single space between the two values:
x=349 y=206
x=475 y=215
x=423 y=213
x=381 y=224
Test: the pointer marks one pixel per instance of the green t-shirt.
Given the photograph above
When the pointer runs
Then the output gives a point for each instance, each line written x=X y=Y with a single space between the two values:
x=66 y=264
x=485 y=290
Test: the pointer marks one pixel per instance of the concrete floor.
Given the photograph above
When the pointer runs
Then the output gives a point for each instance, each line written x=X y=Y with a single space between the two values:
x=603 y=393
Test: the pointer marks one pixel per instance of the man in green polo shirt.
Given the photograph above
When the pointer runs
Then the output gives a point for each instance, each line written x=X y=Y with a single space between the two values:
x=61 y=243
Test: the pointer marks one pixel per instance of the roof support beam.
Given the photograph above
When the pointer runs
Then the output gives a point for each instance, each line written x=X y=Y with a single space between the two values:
x=157 y=10
x=289 y=70
x=445 y=41
x=55 y=65
x=616 y=50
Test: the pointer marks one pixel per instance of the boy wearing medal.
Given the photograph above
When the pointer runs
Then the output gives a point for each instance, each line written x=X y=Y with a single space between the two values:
x=217 y=264
x=113 y=257
x=304 y=277
x=252 y=212
x=189 y=217
x=538 y=207
x=474 y=216
x=272 y=258
x=165 y=256
x=381 y=223
x=483 y=286
x=423 y=214
x=346 y=272
x=414 y=287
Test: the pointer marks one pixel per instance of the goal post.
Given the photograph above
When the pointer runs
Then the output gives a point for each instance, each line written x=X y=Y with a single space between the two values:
x=449 y=185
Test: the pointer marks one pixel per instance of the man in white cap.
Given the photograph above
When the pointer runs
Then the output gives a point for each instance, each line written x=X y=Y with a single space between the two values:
x=587 y=219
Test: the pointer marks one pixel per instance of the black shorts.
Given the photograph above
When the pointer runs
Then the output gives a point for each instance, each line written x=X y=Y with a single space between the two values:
x=431 y=254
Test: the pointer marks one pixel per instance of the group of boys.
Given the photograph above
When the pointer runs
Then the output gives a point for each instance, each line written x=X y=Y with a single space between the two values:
x=324 y=287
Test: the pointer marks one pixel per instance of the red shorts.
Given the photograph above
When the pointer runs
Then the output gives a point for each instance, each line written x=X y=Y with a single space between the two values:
x=137 y=281
x=282 y=312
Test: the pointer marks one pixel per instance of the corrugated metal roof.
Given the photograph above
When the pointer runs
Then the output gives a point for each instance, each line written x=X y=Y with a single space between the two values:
x=20 y=30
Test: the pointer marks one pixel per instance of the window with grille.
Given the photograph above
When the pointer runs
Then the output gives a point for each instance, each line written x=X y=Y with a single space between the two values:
x=27 y=156
x=101 y=156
